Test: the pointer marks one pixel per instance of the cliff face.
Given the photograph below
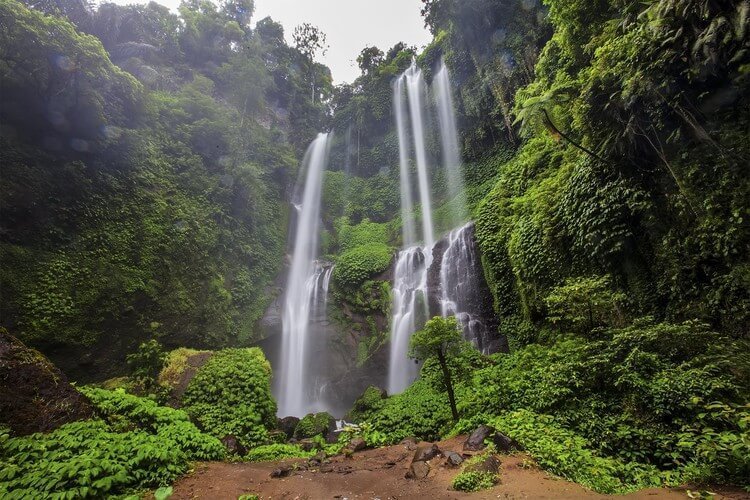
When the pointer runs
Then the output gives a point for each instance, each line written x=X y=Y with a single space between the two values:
x=35 y=395
x=349 y=344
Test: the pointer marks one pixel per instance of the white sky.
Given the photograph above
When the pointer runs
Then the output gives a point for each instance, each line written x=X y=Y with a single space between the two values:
x=349 y=24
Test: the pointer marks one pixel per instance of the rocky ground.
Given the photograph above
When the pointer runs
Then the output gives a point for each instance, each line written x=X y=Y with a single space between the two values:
x=381 y=474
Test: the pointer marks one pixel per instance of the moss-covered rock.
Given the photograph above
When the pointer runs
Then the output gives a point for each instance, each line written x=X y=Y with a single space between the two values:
x=314 y=424
x=369 y=402
x=179 y=369
x=35 y=395
x=231 y=395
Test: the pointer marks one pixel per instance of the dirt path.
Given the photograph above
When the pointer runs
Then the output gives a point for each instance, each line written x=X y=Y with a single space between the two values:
x=379 y=474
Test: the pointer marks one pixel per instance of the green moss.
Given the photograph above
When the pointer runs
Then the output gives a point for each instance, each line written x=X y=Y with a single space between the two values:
x=231 y=395
x=313 y=424
x=360 y=264
x=273 y=452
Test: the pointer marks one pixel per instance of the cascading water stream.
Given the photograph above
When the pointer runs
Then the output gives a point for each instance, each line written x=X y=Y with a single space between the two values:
x=301 y=299
x=410 y=308
x=449 y=141
x=459 y=286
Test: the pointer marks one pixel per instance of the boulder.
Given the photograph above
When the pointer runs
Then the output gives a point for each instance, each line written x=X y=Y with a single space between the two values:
x=453 y=459
x=287 y=425
x=308 y=444
x=409 y=443
x=425 y=453
x=283 y=471
x=233 y=446
x=476 y=440
x=505 y=444
x=314 y=424
x=369 y=401
x=418 y=470
x=357 y=444
x=490 y=464
x=35 y=395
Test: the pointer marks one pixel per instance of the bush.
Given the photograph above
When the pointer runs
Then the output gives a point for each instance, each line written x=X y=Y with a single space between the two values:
x=270 y=452
x=138 y=445
x=474 y=481
x=313 y=424
x=365 y=233
x=356 y=266
x=231 y=395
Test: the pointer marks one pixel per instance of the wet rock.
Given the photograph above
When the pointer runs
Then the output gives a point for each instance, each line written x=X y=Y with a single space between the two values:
x=287 y=425
x=418 y=470
x=453 y=459
x=505 y=444
x=409 y=443
x=283 y=471
x=490 y=464
x=233 y=446
x=476 y=440
x=35 y=395
x=308 y=444
x=357 y=444
x=425 y=453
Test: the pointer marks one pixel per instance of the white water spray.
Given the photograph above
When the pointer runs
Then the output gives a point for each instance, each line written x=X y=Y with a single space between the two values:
x=302 y=287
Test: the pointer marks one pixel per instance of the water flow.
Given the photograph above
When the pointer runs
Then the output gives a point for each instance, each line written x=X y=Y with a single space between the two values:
x=409 y=291
x=407 y=204
x=449 y=141
x=415 y=90
x=459 y=285
x=302 y=286
x=410 y=308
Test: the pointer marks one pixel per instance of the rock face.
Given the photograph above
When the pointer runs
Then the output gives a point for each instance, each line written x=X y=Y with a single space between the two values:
x=476 y=440
x=287 y=426
x=35 y=396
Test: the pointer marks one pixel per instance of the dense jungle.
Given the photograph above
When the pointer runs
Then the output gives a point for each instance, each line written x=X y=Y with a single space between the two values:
x=514 y=261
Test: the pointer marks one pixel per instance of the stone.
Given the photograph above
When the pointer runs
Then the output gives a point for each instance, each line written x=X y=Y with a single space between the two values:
x=357 y=444
x=490 y=464
x=425 y=453
x=409 y=443
x=418 y=470
x=475 y=442
x=233 y=446
x=505 y=444
x=35 y=395
x=287 y=425
x=308 y=445
x=453 y=459
x=283 y=471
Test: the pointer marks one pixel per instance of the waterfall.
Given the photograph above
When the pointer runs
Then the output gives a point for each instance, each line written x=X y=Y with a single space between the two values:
x=459 y=286
x=410 y=308
x=449 y=141
x=302 y=287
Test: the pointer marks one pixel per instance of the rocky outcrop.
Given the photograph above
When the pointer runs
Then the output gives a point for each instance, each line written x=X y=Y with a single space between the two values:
x=35 y=396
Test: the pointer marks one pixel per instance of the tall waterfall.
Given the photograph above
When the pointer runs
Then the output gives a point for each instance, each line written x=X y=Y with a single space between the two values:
x=459 y=286
x=410 y=307
x=301 y=301
x=449 y=141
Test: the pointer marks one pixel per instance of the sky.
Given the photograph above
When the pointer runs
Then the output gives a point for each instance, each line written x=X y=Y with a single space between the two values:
x=350 y=25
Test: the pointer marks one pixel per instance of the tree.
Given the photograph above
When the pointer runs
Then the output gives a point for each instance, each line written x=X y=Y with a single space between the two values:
x=369 y=59
x=440 y=337
x=309 y=39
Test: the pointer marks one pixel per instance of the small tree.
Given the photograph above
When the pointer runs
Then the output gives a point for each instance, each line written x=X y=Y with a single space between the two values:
x=146 y=363
x=440 y=337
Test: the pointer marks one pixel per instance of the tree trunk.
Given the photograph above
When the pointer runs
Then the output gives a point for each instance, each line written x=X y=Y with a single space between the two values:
x=448 y=384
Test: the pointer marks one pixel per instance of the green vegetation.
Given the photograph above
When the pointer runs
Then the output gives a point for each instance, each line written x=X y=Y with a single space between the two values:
x=231 y=396
x=313 y=424
x=356 y=266
x=137 y=445
x=474 y=481
x=271 y=452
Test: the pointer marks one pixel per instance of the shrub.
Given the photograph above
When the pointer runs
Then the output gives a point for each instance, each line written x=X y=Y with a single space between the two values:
x=365 y=233
x=368 y=403
x=270 y=452
x=138 y=445
x=231 y=395
x=474 y=481
x=312 y=424
x=356 y=266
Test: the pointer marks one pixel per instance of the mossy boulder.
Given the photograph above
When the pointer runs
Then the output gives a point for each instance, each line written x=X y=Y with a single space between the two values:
x=230 y=395
x=369 y=402
x=314 y=424
x=35 y=395
x=179 y=369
